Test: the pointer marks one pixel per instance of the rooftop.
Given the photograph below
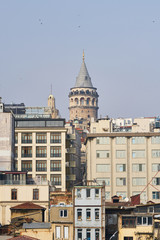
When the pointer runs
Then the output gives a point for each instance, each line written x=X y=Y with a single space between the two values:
x=27 y=205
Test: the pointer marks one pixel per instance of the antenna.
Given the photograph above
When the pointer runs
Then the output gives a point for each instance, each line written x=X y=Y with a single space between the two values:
x=51 y=89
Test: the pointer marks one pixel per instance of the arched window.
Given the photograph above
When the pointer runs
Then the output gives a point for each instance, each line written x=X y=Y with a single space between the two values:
x=88 y=101
x=76 y=101
x=82 y=101
x=93 y=100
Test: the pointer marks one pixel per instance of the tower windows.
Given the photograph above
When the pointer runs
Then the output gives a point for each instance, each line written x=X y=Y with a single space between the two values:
x=76 y=101
x=82 y=101
x=88 y=101
x=93 y=100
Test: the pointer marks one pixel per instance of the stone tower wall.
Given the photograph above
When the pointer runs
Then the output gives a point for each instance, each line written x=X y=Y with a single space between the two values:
x=83 y=103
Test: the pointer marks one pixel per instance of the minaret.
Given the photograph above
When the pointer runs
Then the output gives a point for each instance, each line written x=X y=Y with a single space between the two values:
x=83 y=97
x=52 y=105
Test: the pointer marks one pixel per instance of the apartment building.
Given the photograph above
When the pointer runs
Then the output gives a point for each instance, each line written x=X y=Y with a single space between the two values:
x=128 y=162
x=89 y=212
x=46 y=150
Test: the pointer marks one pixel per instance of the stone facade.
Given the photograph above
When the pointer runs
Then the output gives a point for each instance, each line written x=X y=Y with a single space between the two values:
x=83 y=97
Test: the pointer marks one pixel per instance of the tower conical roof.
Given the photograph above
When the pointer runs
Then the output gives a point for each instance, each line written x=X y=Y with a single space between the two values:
x=83 y=79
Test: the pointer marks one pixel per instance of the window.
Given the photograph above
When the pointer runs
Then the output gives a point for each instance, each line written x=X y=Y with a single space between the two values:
x=41 y=138
x=16 y=138
x=155 y=167
x=128 y=238
x=16 y=165
x=56 y=166
x=65 y=232
x=103 y=168
x=42 y=177
x=88 y=193
x=35 y=194
x=138 y=140
x=128 y=222
x=156 y=195
x=55 y=151
x=155 y=140
x=102 y=140
x=56 y=179
x=121 y=181
x=26 y=165
x=58 y=232
x=88 y=234
x=13 y=194
x=102 y=154
x=155 y=153
x=26 y=151
x=78 y=193
x=79 y=214
x=15 y=152
x=88 y=214
x=94 y=130
x=82 y=101
x=107 y=195
x=88 y=101
x=120 y=154
x=96 y=193
x=63 y=213
x=156 y=181
x=139 y=181
x=144 y=220
x=100 y=181
x=97 y=214
x=138 y=154
x=122 y=195
x=41 y=151
x=120 y=140
x=97 y=235
x=26 y=137
x=121 y=167
x=138 y=167
x=41 y=166
x=55 y=138
x=79 y=234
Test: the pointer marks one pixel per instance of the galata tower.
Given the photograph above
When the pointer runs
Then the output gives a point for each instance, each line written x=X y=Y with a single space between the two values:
x=83 y=98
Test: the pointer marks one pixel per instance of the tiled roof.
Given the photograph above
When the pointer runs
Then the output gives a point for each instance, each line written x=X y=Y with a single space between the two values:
x=23 y=238
x=27 y=205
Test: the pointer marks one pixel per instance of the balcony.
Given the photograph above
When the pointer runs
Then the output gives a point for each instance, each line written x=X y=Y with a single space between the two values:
x=41 y=141
x=55 y=183
x=41 y=155
x=55 y=154
x=41 y=169
x=26 y=141
x=56 y=169
x=26 y=155
x=24 y=169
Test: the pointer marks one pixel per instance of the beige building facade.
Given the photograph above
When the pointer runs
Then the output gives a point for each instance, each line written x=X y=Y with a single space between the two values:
x=129 y=163
x=12 y=195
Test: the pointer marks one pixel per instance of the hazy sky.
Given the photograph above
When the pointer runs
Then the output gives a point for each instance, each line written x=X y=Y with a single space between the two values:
x=41 y=43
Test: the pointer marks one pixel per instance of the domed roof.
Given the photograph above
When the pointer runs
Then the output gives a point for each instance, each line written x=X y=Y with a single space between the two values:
x=83 y=79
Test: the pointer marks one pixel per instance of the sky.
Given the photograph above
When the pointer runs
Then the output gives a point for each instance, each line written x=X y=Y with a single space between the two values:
x=42 y=41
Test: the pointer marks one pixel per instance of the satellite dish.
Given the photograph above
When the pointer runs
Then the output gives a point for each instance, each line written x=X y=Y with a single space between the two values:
x=126 y=199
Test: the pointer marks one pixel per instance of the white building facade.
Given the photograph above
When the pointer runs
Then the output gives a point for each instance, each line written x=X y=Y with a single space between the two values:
x=89 y=212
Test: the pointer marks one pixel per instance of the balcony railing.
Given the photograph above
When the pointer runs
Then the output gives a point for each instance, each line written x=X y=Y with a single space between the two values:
x=26 y=155
x=41 y=141
x=55 y=183
x=12 y=182
x=56 y=169
x=55 y=140
x=55 y=154
x=41 y=154
x=41 y=169
x=26 y=169
x=26 y=141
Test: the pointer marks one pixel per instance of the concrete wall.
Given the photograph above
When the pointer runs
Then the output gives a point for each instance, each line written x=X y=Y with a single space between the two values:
x=6 y=141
